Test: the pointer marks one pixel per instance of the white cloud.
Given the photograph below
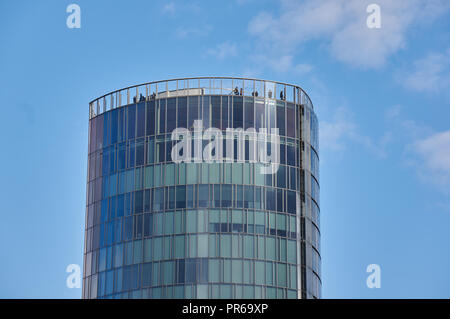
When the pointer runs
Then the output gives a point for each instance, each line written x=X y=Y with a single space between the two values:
x=393 y=112
x=434 y=153
x=341 y=26
x=405 y=127
x=186 y=32
x=335 y=135
x=430 y=156
x=282 y=63
x=169 y=7
x=223 y=50
x=303 y=68
x=429 y=74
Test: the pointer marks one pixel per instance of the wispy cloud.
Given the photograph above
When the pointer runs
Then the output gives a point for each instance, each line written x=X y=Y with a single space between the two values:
x=393 y=112
x=223 y=50
x=333 y=133
x=425 y=151
x=434 y=158
x=428 y=74
x=169 y=7
x=282 y=63
x=341 y=26
x=341 y=131
x=187 y=32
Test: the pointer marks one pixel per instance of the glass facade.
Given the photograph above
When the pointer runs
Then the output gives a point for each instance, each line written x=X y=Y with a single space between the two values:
x=160 y=229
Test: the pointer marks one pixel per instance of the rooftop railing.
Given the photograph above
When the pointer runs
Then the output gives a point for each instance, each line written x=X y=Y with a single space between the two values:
x=199 y=86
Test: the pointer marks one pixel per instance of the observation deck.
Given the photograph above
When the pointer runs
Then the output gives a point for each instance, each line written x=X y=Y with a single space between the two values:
x=262 y=89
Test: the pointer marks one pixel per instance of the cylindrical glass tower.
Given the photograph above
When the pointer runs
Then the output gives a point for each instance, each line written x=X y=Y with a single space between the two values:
x=222 y=226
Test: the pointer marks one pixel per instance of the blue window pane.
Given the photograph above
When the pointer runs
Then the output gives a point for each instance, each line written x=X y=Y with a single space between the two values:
x=114 y=126
x=279 y=200
x=270 y=199
x=140 y=125
x=203 y=195
x=239 y=196
x=151 y=117
x=161 y=116
x=191 y=272
x=121 y=156
x=181 y=196
x=193 y=110
x=131 y=121
x=281 y=176
x=120 y=205
x=237 y=112
x=248 y=197
x=281 y=119
x=138 y=202
x=206 y=111
x=148 y=225
x=171 y=114
x=140 y=152
x=215 y=111
x=122 y=125
x=138 y=226
x=290 y=155
x=180 y=271
x=147 y=275
x=290 y=116
x=225 y=113
x=291 y=202
x=182 y=112
x=158 y=199
x=226 y=196
x=249 y=109
x=128 y=228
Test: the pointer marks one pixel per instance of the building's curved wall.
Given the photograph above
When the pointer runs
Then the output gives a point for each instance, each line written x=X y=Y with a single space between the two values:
x=156 y=229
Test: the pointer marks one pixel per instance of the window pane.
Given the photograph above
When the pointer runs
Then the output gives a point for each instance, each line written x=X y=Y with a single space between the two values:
x=191 y=221
x=248 y=113
x=140 y=127
x=151 y=117
x=225 y=111
x=215 y=109
x=171 y=114
x=225 y=245
x=193 y=110
x=161 y=116
x=131 y=121
x=237 y=112
x=270 y=198
x=170 y=174
x=182 y=112
x=214 y=270
x=206 y=111
x=280 y=119
x=181 y=196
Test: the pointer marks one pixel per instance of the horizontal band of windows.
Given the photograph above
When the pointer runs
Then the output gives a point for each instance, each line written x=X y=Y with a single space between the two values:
x=193 y=196
x=196 y=246
x=158 y=117
x=170 y=175
x=138 y=154
x=194 y=271
x=203 y=291
x=151 y=225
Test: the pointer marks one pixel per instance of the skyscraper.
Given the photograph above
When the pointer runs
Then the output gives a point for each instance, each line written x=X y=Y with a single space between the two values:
x=203 y=188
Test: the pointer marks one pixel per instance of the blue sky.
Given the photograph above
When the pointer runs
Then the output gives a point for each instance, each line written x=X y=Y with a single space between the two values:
x=382 y=97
